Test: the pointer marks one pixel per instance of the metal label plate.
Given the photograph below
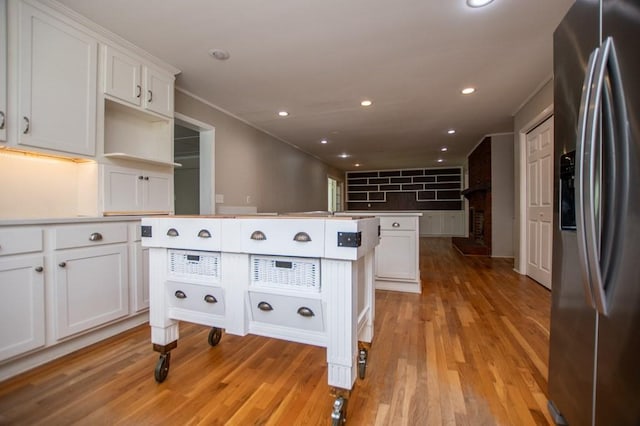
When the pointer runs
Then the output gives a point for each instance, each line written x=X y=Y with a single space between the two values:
x=349 y=239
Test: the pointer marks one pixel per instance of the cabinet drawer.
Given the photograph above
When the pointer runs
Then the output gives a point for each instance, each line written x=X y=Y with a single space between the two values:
x=89 y=235
x=194 y=297
x=20 y=240
x=288 y=311
x=183 y=233
x=283 y=237
x=398 y=223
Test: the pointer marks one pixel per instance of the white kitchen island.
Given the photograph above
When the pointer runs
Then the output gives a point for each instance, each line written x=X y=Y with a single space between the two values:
x=398 y=255
x=302 y=279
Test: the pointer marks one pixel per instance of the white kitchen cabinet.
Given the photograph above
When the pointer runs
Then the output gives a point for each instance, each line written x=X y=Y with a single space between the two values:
x=3 y=70
x=397 y=264
x=57 y=89
x=397 y=256
x=91 y=286
x=22 y=312
x=136 y=190
x=128 y=79
x=394 y=255
x=440 y=223
x=453 y=222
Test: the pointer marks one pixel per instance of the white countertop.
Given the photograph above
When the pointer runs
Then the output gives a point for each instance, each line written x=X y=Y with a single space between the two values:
x=66 y=220
x=378 y=213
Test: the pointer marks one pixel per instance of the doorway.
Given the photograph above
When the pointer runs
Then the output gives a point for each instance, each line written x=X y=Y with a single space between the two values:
x=539 y=202
x=334 y=195
x=194 y=180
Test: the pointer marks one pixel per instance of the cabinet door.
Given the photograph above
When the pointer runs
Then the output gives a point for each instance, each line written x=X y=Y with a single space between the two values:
x=452 y=223
x=159 y=92
x=122 y=189
x=3 y=70
x=396 y=255
x=21 y=305
x=57 y=90
x=90 y=288
x=157 y=192
x=432 y=223
x=122 y=76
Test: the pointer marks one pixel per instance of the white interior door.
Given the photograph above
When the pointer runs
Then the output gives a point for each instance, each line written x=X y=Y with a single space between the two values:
x=540 y=202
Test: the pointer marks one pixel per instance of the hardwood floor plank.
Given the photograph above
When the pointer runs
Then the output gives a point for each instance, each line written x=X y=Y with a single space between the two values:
x=470 y=350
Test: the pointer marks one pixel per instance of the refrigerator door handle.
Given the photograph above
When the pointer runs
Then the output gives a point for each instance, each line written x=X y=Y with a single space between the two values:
x=606 y=65
x=580 y=172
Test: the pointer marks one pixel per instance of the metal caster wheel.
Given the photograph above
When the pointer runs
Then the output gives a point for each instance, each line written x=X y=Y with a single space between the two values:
x=338 y=414
x=214 y=336
x=362 y=363
x=162 y=367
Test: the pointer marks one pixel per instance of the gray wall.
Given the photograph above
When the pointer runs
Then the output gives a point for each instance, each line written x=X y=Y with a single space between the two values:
x=502 y=195
x=255 y=169
x=531 y=114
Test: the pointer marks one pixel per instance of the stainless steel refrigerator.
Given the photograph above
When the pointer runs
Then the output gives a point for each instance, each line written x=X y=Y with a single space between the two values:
x=594 y=355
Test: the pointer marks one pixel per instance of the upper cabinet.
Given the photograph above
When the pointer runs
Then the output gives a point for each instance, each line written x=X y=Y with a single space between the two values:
x=57 y=74
x=3 y=70
x=129 y=80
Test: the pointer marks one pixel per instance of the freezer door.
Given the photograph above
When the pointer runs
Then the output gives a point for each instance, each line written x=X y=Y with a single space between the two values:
x=573 y=319
x=618 y=373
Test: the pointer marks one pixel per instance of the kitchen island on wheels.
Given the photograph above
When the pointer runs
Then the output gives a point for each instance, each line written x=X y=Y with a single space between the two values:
x=306 y=279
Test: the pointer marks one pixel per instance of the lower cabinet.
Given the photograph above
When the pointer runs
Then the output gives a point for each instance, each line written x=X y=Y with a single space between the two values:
x=22 y=312
x=395 y=255
x=91 y=288
x=437 y=223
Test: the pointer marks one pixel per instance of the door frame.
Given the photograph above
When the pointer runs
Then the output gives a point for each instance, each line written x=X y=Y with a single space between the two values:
x=207 y=160
x=547 y=112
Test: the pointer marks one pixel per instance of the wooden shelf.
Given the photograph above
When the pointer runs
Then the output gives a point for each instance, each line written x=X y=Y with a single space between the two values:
x=128 y=157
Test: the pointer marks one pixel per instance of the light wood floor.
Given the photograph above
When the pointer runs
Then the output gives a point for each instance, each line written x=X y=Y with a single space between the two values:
x=471 y=350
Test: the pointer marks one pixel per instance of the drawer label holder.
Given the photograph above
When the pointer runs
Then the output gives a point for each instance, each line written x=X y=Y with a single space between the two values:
x=349 y=239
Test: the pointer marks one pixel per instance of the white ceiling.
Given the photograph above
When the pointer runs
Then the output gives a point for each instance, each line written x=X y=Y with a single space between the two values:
x=318 y=59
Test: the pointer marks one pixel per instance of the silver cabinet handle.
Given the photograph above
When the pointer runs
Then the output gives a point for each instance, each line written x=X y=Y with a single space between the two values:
x=172 y=232
x=210 y=299
x=139 y=91
x=180 y=294
x=204 y=233
x=302 y=237
x=1 y=122
x=264 y=306
x=150 y=99
x=146 y=178
x=39 y=269
x=258 y=236
x=27 y=125
x=395 y=225
x=96 y=236
x=62 y=264
x=306 y=312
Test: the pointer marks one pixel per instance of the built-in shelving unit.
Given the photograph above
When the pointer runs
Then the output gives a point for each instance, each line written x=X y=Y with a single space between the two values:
x=408 y=189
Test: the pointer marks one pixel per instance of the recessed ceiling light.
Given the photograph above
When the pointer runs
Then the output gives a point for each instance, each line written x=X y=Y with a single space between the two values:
x=468 y=90
x=444 y=149
x=357 y=165
x=323 y=141
x=366 y=103
x=219 y=54
x=478 y=3
x=451 y=131
x=343 y=155
x=440 y=160
x=283 y=113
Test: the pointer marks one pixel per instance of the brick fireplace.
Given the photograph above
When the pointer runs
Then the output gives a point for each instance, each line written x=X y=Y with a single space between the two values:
x=479 y=195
